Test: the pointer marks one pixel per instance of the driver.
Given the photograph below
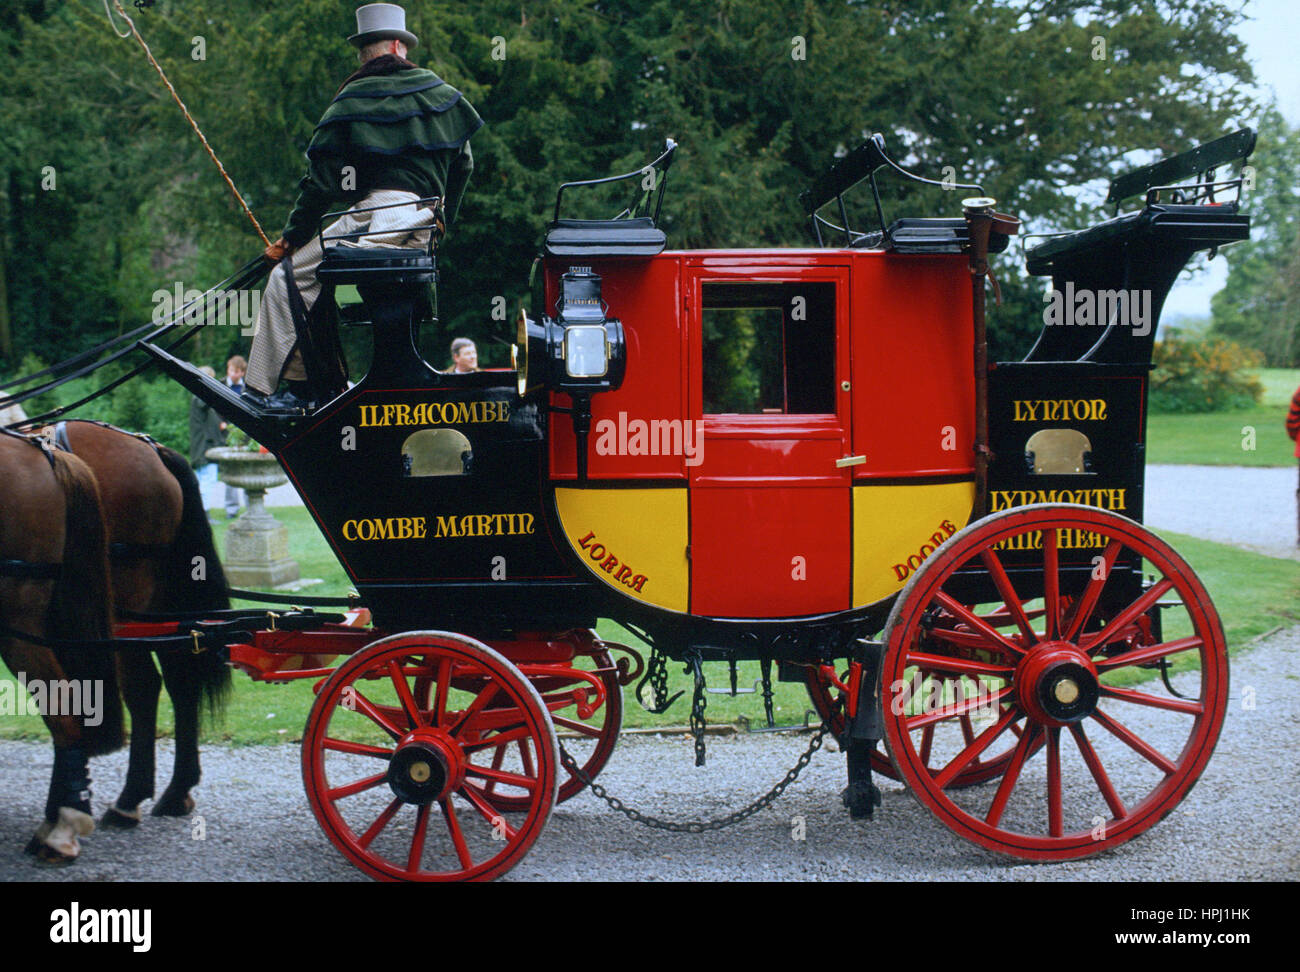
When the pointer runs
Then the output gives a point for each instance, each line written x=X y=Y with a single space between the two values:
x=394 y=133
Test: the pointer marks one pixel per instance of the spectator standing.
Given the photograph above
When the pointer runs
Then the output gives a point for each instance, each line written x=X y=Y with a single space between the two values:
x=207 y=431
x=1293 y=430
x=236 y=367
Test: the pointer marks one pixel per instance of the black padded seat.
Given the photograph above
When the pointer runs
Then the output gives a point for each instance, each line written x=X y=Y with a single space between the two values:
x=376 y=264
x=1210 y=225
x=934 y=235
x=592 y=238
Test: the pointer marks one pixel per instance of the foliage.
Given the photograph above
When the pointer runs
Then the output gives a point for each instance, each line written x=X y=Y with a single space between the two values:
x=1204 y=376
x=1260 y=303
x=1007 y=93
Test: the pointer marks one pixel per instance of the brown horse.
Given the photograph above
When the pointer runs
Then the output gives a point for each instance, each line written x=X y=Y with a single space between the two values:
x=163 y=560
x=54 y=585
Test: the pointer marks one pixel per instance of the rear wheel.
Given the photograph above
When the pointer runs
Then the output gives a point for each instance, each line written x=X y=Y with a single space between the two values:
x=1121 y=750
x=404 y=785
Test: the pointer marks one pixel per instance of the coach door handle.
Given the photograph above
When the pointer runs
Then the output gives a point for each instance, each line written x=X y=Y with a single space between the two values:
x=850 y=461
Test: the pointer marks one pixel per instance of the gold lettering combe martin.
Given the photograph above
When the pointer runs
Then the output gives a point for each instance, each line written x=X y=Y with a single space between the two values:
x=445 y=527
x=433 y=413
x=1059 y=410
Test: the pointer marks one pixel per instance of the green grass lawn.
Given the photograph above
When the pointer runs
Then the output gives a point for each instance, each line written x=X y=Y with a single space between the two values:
x=1225 y=438
x=1254 y=594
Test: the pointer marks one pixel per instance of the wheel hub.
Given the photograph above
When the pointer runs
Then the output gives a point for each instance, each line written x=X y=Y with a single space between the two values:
x=422 y=771
x=1057 y=684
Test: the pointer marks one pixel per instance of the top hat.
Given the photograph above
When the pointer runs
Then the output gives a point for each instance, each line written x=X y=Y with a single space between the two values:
x=382 y=21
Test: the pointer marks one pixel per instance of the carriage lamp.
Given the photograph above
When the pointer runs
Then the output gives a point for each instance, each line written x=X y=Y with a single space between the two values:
x=581 y=351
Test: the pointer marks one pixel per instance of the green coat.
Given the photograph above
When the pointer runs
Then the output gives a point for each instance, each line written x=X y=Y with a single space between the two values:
x=205 y=432
x=407 y=130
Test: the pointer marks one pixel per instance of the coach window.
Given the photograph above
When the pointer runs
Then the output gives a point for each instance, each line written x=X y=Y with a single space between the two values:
x=769 y=348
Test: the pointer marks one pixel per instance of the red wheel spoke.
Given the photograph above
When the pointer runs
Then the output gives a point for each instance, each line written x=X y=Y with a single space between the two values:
x=404 y=694
x=1081 y=611
x=356 y=748
x=961 y=666
x=576 y=726
x=961 y=708
x=995 y=640
x=498 y=758
x=498 y=741
x=1142 y=656
x=359 y=786
x=1055 y=813
x=526 y=757
x=485 y=808
x=927 y=740
x=440 y=695
x=417 y=839
x=1128 y=615
x=480 y=702
x=366 y=707
x=1098 y=773
x=373 y=831
x=967 y=730
x=457 y=835
x=1189 y=706
x=1051 y=584
x=1010 y=777
x=502 y=776
x=981 y=743
x=1138 y=745
x=1007 y=591
x=963 y=639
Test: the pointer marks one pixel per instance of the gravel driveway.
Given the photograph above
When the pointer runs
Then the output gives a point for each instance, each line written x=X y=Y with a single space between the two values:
x=1250 y=508
x=1238 y=823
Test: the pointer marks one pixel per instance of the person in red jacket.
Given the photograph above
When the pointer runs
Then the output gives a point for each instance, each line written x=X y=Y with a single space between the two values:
x=1293 y=430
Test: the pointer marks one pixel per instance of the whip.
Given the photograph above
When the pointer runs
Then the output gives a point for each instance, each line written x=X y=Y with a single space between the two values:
x=133 y=32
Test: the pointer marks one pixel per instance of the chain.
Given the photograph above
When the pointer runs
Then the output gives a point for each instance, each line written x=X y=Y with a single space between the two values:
x=698 y=702
x=657 y=675
x=698 y=827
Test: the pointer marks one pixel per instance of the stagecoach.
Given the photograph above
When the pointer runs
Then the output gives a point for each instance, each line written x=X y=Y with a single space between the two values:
x=800 y=457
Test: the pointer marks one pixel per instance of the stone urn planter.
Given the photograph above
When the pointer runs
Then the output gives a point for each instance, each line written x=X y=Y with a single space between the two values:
x=257 y=544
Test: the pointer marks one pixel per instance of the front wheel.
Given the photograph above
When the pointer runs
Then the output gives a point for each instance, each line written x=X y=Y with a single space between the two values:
x=1077 y=682
x=401 y=780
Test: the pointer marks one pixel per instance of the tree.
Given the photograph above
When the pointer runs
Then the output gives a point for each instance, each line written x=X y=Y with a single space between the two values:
x=1259 y=306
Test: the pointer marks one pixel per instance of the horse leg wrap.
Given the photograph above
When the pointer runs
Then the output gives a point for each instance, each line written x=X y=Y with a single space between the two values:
x=69 y=783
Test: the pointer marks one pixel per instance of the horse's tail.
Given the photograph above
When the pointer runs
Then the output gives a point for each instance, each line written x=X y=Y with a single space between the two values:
x=81 y=608
x=198 y=582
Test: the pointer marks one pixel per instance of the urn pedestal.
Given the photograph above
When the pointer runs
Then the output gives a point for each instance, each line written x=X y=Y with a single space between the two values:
x=257 y=544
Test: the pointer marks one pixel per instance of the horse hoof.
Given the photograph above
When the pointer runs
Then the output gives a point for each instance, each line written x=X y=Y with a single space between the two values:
x=47 y=856
x=58 y=844
x=170 y=807
x=115 y=819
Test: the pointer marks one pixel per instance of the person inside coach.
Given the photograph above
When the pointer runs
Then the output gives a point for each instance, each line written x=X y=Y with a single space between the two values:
x=394 y=133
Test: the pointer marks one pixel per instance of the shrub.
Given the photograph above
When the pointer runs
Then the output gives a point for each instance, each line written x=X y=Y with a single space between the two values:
x=1204 y=376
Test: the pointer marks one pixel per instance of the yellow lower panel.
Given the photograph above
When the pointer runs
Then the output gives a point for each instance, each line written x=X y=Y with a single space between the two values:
x=896 y=527
x=634 y=540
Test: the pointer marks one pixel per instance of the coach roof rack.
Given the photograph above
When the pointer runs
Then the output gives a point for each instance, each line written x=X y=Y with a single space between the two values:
x=902 y=236
x=633 y=232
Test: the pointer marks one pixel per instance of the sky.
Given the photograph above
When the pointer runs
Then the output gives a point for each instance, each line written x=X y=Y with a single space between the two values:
x=1271 y=34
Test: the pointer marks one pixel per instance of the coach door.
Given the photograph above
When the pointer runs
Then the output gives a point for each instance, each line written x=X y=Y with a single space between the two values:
x=770 y=492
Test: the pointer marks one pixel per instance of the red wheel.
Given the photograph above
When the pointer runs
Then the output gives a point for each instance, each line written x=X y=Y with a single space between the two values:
x=593 y=714
x=405 y=789
x=828 y=700
x=1075 y=682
